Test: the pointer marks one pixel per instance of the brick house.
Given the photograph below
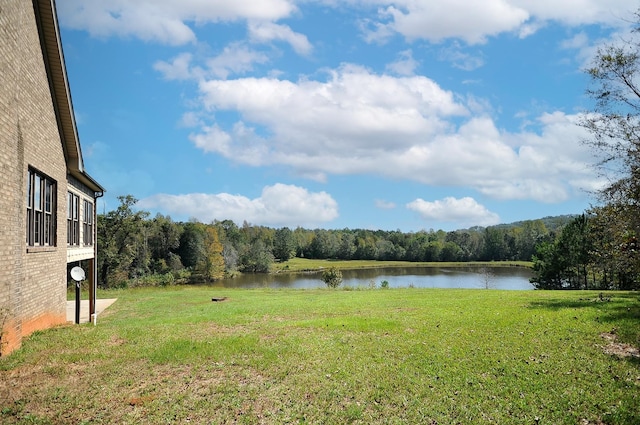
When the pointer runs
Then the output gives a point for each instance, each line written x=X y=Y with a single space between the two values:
x=47 y=199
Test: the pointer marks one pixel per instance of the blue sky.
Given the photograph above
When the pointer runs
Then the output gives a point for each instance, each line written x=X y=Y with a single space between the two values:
x=379 y=114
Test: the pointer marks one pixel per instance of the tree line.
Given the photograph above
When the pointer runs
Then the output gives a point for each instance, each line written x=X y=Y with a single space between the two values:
x=135 y=248
x=600 y=248
x=597 y=250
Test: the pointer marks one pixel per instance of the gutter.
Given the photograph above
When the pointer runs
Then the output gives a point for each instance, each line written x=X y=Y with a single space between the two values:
x=93 y=288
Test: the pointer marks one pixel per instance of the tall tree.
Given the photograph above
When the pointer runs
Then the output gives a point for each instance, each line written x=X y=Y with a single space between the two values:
x=324 y=245
x=163 y=240
x=495 y=247
x=614 y=124
x=122 y=238
x=566 y=262
x=191 y=248
x=347 y=247
x=284 y=245
x=256 y=257
x=211 y=265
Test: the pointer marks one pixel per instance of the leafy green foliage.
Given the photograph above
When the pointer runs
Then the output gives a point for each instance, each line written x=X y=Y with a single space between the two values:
x=133 y=247
x=284 y=244
x=332 y=277
x=256 y=257
x=212 y=265
x=595 y=251
x=614 y=124
x=122 y=238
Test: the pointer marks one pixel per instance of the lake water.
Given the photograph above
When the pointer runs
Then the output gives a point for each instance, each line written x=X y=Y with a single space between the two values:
x=513 y=278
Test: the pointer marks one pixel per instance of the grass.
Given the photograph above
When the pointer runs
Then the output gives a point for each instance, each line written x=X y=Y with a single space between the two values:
x=304 y=264
x=391 y=356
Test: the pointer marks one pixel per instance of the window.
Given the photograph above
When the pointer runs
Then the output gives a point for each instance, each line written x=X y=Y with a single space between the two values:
x=41 y=209
x=87 y=223
x=73 y=219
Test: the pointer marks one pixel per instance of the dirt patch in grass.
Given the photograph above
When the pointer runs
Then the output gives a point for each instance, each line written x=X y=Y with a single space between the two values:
x=618 y=349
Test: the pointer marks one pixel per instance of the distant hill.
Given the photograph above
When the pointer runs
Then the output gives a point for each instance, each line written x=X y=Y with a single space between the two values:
x=552 y=223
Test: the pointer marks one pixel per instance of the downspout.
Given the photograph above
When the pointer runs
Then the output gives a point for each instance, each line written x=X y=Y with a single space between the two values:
x=94 y=270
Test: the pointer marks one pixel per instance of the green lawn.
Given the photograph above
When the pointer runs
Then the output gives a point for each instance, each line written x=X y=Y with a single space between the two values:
x=397 y=356
x=303 y=264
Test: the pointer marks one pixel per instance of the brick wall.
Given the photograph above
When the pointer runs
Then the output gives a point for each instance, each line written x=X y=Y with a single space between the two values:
x=32 y=284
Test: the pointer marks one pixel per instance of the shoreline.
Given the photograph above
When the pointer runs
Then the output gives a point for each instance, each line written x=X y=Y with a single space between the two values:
x=300 y=265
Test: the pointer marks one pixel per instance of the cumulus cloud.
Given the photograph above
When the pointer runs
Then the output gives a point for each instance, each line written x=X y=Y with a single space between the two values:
x=164 y=21
x=435 y=21
x=465 y=211
x=405 y=65
x=474 y=22
x=354 y=114
x=236 y=58
x=460 y=59
x=580 y=12
x=178 y=69
x=171 y=22
x=407 y=128
x=278 y=205
x=265 y=32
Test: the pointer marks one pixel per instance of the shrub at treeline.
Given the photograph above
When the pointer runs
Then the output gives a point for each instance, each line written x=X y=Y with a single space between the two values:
x=136 y=250
x=597 y=250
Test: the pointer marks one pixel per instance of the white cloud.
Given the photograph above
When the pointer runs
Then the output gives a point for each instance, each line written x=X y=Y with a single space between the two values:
x=405 y=128
x=178 y=69
x=278 y=205
x=460 y=59
x=405 y=65
x=581 y=12
x=265 y=32
x=435 y=21
x=172 y=22
x=465 y=211
x=164 y=21
x=236 y=58
x=474 y=22
x=213 y=139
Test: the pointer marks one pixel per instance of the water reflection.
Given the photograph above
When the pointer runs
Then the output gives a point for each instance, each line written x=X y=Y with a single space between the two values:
x=512 y=278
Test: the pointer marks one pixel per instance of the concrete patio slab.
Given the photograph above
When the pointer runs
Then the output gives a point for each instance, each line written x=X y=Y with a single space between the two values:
x=101 y=305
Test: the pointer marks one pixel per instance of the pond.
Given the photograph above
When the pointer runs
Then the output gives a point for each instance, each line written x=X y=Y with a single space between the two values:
x=513 y=278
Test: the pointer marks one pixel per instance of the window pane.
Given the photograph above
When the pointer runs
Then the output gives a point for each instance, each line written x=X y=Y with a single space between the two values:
x=41 y=210
x=48 y=195
x=37 y=190
x=30 y=189
x=47 y=223
x=36 y=227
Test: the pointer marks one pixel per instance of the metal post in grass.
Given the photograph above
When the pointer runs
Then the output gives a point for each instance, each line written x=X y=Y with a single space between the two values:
x=77 y=274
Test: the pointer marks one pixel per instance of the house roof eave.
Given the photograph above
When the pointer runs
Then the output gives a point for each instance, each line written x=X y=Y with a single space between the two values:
x=47 y=21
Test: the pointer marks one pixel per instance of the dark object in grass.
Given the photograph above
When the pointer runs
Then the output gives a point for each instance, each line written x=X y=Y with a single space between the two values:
x=216 y=300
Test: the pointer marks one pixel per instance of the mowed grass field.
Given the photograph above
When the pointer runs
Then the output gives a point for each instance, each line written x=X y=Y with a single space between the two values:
x=302 y=264
x=368 y=356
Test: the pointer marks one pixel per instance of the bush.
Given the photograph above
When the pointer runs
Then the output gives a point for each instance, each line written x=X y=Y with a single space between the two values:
x=384 y=284
x=332 y=277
